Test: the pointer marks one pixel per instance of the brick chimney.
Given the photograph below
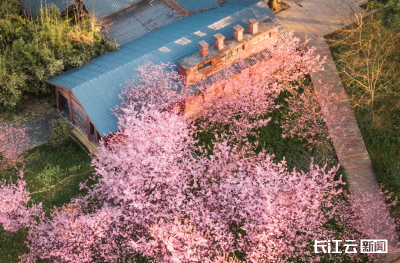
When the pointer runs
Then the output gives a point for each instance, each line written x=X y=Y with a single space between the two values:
x=219 y=41
x=203 y=48
x=238 y=32
x=253 y=26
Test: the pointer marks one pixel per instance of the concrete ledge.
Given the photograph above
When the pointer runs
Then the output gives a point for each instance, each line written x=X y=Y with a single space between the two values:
x=83 y=141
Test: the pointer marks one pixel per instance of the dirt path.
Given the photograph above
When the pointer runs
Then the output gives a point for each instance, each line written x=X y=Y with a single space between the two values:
x=36 y=116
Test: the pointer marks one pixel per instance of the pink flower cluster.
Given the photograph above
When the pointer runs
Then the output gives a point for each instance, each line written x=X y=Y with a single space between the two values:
x=154 y=196
x=14 y=213
x=12 y=142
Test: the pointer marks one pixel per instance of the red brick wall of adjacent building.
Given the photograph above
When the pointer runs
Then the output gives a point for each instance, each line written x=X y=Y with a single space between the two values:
x=252 y=46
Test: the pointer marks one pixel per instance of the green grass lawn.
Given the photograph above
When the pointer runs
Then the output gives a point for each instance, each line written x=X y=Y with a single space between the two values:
x=53 y=176
x=381 y=133
x=295 y=150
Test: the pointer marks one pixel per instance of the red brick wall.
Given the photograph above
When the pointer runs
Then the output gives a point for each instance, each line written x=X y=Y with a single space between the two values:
x=251 y=46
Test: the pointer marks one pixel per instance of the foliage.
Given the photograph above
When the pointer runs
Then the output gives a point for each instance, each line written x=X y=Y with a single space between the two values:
x=8 y=8
x=366 y=61
x=381 y=135
x=60 y=132
x=53 y=174
x=31 y=52
x=382 y=140
x=13 y=141
x=18 y=207
x=14 y=213
x=160 y=201
x=239 y=101
x=72 y=164
x=391 y=15
x=12 y=245
x=155 y=198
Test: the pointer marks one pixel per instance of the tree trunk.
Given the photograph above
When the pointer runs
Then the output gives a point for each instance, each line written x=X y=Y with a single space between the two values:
x=273 y=4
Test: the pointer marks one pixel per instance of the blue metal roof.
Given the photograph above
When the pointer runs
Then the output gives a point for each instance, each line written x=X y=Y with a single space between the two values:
x=102 y=8
x=32 y=6
x=98 y=83
x=138 y=20
x=192 y=6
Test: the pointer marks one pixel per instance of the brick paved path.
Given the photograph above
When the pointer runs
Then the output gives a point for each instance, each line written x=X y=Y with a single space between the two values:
x=316 y=19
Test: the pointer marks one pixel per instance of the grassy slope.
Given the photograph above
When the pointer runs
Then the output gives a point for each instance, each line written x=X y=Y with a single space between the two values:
x=382 y=135
x=53 y=176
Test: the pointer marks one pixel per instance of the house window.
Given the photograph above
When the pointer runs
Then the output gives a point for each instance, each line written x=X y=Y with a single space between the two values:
x=98 y=137
x=91 y=128
x=204 y=66
x=269 y=34
x=233 y=52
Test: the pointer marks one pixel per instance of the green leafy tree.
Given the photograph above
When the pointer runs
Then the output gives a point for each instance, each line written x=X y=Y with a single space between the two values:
x=60 y=133
x=390 y=12
x=32 y=51
x=391 y=15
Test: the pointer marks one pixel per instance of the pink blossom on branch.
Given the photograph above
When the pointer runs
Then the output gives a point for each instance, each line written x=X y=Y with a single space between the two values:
x=13 y=141
x=154 y=198
x=14 y=197
x=141 y=180
x=14 y=213
x=239 y=101
x=159 y=87
x=376 y=204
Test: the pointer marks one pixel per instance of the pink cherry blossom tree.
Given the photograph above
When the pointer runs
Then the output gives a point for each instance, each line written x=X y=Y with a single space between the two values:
x=160 y=87
x=13 y=141
x=163 y=203
x=239 y=101
x=14 y=197
x=14 y=212
x=154 y=197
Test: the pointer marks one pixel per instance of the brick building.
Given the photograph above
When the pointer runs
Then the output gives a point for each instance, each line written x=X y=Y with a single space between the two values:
x=201 y=37
x=228 y=51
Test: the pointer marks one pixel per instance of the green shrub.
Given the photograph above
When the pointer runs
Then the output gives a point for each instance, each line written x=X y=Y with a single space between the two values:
x=33 y=51
x=60 y=133
x=393 y=174
x=49 y=175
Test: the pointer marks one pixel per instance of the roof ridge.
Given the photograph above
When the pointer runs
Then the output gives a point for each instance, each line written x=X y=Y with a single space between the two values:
x=170 y=43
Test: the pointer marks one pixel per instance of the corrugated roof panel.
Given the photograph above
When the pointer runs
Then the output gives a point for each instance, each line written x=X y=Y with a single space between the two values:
x=32 y=6
x=196 y=5
x=99 y=95
x=102 y=8
x=138 y=20
x=156 y=15
x=262 y=15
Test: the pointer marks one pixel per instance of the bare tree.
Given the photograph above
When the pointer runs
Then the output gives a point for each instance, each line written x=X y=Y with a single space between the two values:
x=364 y=60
